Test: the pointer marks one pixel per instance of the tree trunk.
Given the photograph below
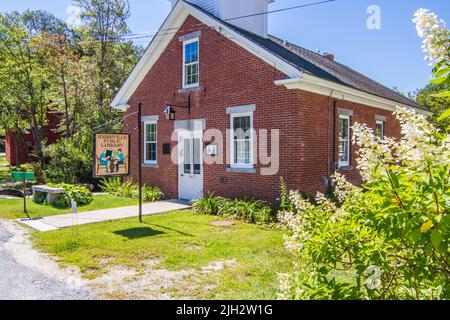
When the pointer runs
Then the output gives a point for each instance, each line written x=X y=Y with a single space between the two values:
x=16 y=138
x=37 y=135
x=66 y=102
x=101 y=96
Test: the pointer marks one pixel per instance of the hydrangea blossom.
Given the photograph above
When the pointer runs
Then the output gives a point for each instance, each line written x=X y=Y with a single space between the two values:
x=435 y=36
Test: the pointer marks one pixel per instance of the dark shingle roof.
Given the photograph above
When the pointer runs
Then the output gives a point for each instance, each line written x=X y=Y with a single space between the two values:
x=320 y=66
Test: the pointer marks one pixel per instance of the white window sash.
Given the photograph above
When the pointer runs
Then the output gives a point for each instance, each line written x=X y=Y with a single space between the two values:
x=233 y=164
x=185 y=65
x=146 y=124
x=379 y=122
x=348 y=141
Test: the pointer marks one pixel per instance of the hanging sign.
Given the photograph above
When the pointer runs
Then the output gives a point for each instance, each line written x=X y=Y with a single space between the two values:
x=111 y=154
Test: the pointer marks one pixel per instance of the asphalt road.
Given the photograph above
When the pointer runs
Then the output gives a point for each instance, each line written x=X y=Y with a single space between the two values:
x=18 y=282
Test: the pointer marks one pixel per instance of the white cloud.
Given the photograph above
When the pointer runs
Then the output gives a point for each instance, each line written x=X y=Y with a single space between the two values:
x=74 y=18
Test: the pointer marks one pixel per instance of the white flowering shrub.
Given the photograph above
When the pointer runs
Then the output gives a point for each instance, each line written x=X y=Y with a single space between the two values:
x=436 y=45
x=434 y=34
x=388 y=239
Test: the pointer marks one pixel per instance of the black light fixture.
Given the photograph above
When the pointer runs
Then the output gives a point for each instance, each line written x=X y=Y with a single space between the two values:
x=170 y=112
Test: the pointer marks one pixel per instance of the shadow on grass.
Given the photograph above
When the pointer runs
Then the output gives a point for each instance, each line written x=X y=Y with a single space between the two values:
x=174 y=230
x=138 y=233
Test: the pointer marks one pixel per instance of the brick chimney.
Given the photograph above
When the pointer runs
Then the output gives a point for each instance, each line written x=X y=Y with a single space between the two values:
x=329 y=56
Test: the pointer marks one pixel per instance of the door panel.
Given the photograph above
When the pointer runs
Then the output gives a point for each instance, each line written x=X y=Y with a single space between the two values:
x=190 y=168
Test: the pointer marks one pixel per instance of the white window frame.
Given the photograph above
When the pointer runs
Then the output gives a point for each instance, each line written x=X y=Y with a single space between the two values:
x=185 y=43
x=382 y=128
x=234 y=165
x=343 y=164
x=146 y=161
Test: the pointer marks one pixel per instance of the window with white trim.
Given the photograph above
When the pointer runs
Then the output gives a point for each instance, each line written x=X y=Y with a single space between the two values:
x=242 y=140
x=191 y=63
x=344 y=140
x=379 y=130
x=150 y=143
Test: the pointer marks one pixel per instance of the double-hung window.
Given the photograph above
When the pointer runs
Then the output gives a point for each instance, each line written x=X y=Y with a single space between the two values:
x=191 y=63
x=379 y=130
x=242 y=140
x=150 y=143
x=344 y=140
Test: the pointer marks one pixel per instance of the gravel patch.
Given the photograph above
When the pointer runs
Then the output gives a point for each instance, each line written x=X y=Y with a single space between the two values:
x=26 y=274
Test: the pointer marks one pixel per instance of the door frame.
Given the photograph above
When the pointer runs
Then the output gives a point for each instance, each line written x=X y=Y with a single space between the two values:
x=190 y=134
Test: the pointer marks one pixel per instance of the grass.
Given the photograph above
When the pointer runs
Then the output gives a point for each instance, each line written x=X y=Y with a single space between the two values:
x=183 y=241
x=13 y=208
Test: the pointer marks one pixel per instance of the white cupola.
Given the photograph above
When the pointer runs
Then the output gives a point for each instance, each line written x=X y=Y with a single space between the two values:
x=228 y=10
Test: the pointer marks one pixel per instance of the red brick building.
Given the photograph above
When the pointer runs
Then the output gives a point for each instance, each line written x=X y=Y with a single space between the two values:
x=240 y=81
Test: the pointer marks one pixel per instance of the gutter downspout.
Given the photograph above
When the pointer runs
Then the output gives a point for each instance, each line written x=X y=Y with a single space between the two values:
x=328 y=139
x=333 y=164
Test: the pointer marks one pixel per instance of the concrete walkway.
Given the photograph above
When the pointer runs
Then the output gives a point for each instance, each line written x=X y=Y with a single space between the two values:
x=68 y=220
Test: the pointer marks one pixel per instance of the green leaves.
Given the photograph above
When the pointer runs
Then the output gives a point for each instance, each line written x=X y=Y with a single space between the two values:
x=394 y=178
x=441 y=76
x=416 y=235
x=442 y=94
x=436 y=238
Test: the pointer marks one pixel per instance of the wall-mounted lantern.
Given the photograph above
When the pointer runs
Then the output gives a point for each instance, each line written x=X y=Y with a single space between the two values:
x=170 y=112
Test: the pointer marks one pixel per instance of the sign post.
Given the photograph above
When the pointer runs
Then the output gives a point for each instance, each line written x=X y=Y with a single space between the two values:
x=24 y=177
x=140 y=158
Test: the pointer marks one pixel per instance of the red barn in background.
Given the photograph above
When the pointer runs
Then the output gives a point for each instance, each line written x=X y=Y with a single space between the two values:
x=26 y=141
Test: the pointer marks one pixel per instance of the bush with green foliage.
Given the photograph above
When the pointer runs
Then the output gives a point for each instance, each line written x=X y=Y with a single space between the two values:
x=70 y=161
x=209 y=204
x=388 y=239
x=285 y=202
x=249 y=210
x=111 y=186
x=151 y=194
x=115 y=186
x=81 y=195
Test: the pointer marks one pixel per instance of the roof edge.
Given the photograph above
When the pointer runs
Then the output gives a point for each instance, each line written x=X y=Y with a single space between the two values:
x=320 y=86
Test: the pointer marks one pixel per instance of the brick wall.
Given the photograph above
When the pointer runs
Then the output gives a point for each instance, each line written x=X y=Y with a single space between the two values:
x=231 y=76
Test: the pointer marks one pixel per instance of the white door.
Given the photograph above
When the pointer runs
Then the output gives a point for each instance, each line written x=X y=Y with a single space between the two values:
x=190 y=165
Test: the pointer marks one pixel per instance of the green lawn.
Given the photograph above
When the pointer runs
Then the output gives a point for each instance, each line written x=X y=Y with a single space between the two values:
x=13 y=208
x=183 y=241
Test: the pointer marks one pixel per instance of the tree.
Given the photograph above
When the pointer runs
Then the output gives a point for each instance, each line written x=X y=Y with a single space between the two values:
x=22 y=73
x=46 y=66
x=437 y=105
x=105 y=23
x=12 y=118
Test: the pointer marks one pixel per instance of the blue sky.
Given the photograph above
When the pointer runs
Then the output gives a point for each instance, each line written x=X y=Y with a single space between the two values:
x=391 y=55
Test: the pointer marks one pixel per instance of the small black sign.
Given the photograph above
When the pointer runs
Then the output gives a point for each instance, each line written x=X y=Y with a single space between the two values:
x=166 y=148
